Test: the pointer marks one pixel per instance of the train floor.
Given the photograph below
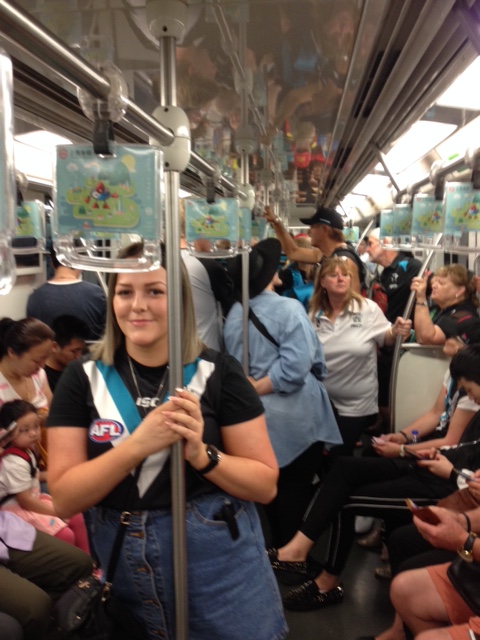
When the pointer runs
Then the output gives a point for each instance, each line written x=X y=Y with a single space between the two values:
x=365 y=610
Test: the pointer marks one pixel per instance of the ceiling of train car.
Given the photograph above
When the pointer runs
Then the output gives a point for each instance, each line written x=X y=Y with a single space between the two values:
x=330 y=84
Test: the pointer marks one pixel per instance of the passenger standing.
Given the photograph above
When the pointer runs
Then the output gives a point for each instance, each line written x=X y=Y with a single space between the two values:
x=212 y=289
x=286 y=367
x=297 y=278
x=350 y=328
x=108 y=416
x=70 y=343
x=65 y=294
x=326 y=227
x=396 y=277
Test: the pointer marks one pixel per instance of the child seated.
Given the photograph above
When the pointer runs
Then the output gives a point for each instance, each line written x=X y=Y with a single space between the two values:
x=19 y=477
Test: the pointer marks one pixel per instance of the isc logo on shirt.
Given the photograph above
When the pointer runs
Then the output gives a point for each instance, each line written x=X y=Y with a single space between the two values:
x=105 y=430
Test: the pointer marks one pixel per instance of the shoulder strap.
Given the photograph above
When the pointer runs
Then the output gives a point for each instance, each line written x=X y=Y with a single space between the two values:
x=349 y=252
x=261 y=327
x=15 y=451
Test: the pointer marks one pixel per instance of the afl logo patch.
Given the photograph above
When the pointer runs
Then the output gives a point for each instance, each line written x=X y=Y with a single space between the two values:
x=105 y=430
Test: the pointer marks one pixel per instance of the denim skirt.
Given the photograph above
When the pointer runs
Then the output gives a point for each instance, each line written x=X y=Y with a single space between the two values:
x=232 y=591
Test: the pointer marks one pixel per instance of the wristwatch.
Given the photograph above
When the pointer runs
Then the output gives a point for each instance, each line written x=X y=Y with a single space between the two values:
x=214 y=458
x=466 y=553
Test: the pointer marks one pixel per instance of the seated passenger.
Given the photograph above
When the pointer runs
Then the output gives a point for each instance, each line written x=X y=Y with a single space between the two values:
x=445 y=422
x=35 y=570
x=71 y=334
x=286 y=367
x=19 y=477
x=67 y=293
x=453 y=294
x=24 y=349
x=350 y=328
x=425 y=599
x=376 y=487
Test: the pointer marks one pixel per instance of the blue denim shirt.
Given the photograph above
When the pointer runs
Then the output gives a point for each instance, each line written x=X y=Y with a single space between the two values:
x=298 y=412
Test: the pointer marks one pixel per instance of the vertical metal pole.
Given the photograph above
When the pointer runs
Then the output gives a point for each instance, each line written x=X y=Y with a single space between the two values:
x=168 y=93
x=398 y=343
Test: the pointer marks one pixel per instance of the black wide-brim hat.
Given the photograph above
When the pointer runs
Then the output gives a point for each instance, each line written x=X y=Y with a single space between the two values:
x=264 y=260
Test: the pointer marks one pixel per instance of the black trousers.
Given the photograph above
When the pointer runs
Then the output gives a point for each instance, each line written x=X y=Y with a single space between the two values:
x=374 y=487
x=295 y=490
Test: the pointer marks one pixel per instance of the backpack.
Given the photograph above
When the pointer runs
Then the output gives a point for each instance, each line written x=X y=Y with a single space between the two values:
x=15 y=451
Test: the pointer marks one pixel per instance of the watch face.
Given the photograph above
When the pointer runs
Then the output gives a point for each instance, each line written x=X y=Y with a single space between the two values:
x=213 y=453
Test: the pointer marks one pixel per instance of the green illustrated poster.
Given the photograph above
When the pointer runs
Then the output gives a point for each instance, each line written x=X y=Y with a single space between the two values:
x=216 y=221
x=402 y=221
x=461 y=211
x=351 y=234
x=30 y=220
x=386 y=224
x=97 y=195
x=427 y=215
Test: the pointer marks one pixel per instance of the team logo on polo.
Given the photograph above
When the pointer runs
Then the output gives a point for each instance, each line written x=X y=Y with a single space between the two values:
x=105 y=430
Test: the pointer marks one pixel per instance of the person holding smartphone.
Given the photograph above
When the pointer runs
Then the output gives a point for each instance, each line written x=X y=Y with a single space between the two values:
x=375 y=487
x=425 y=599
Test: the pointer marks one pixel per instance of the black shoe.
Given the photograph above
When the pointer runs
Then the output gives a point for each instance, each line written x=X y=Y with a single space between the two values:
x=291 y=573
x=308 y=597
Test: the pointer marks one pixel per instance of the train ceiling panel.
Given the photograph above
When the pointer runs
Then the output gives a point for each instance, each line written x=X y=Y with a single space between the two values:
x=327 y=85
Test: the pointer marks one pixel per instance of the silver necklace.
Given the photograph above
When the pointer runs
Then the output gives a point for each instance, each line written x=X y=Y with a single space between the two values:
x=144 y=402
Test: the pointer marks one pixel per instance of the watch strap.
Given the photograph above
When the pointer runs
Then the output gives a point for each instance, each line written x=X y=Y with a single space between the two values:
x=214 y=456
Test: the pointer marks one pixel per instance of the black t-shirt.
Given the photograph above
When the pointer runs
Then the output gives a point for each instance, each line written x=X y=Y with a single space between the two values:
x=395 y=280
x=459 y=310
x=227 y=398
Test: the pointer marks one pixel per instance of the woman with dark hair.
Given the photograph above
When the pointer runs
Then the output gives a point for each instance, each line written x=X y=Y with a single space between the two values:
x=111 y=429
x=24 y=348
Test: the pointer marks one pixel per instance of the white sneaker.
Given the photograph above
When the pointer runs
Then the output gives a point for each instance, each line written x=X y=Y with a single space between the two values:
x=363 y=524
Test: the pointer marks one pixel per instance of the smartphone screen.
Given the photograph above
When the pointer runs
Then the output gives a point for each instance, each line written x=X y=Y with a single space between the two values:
x=424 y=513
x=412 y=453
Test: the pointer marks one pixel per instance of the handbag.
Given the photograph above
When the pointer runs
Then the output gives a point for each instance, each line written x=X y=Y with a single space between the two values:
x=465 y=577
x=87 y=611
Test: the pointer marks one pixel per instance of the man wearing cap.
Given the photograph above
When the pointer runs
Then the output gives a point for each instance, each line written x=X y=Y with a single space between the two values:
x=397 y=274
x=326 y=233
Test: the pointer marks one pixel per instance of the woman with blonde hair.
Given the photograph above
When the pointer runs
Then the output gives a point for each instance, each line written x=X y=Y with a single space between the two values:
x=454 y=294
x=112 y=426
x=350 y=328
